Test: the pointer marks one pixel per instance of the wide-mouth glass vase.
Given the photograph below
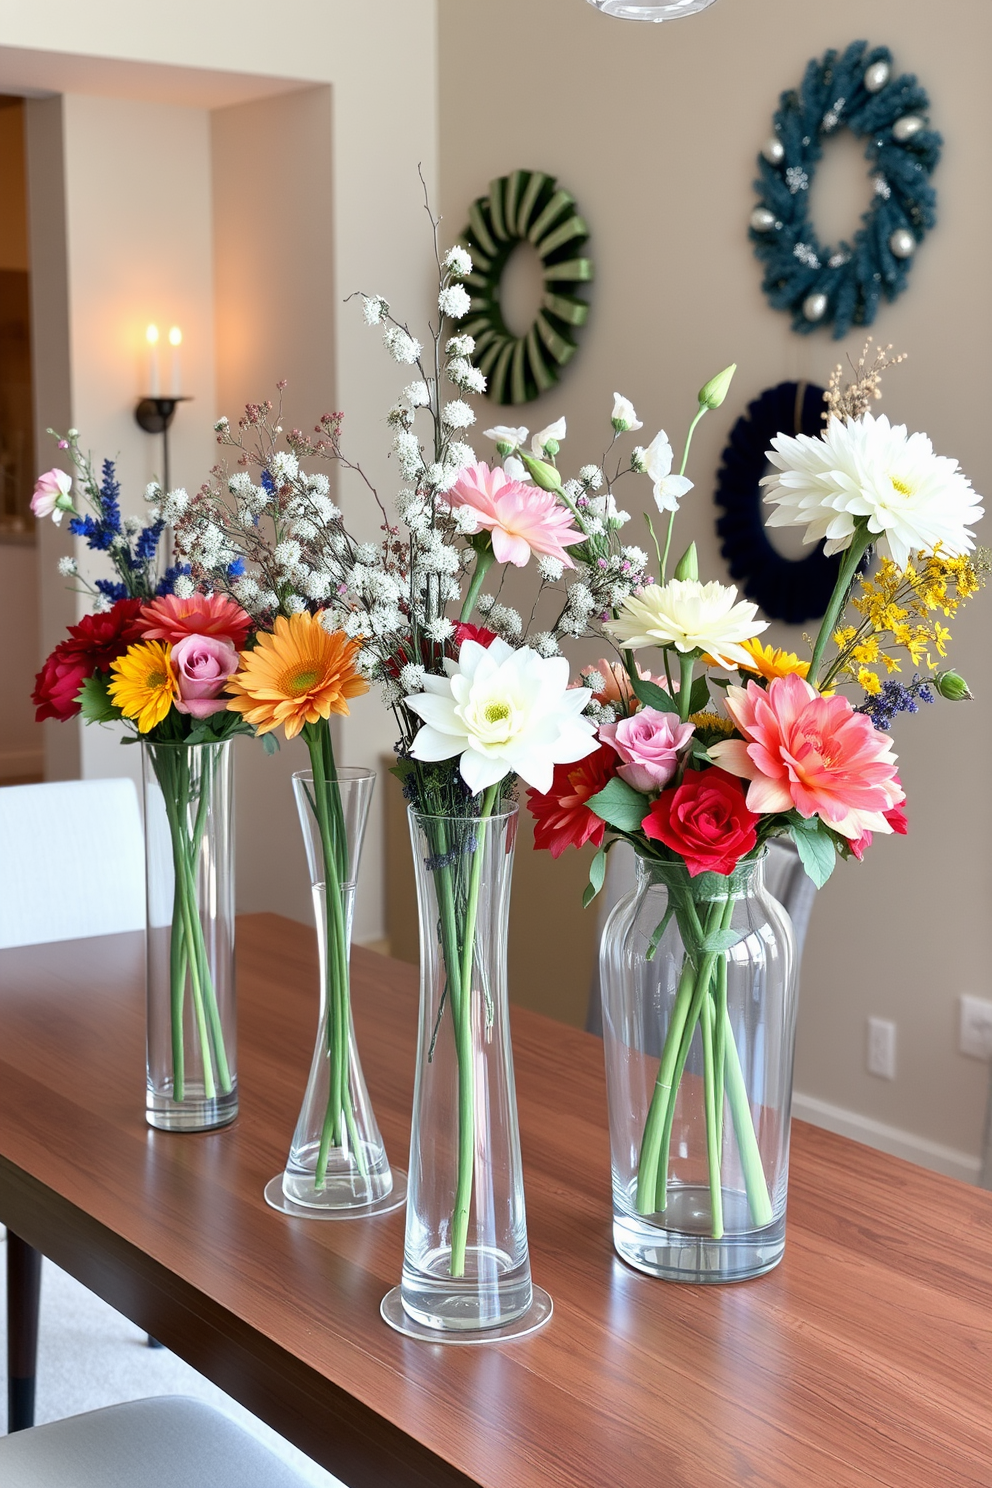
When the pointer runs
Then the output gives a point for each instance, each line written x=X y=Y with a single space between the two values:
x=466 y=1265
x=699 y=1014
x=337 y=1160
x=192 y=1082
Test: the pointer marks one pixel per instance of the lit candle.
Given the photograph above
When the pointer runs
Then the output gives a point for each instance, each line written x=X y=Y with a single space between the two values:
x=151 y=336
x=175 y=341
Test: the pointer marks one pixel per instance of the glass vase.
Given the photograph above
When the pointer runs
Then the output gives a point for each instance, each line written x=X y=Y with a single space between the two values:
x=466 y=1267
x=337 y=1163
x=699 y=1017
x=192 y=1080
x=660 y=10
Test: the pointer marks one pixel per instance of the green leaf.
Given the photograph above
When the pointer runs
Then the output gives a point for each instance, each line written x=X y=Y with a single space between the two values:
x=659 y=931
x=619 y=805
x=94 y=700
x=699 y=697
x=816 y=849
x=720 y=940
x=653 y=696
x=270 y=744
x=597 y=877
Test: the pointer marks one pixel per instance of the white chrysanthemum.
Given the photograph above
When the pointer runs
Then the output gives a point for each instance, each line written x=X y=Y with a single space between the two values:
x=407 y=447
x=412 y=677
x=457 y=414
x=317 y=585
x=68 y=567
x=461 y=372
x=458 y=260
x=656 y=461
x=417 y=394
x=376 y=310
x=440 y=629
x=591 y=476
x=458 y=455
x=503 y=711
x=246 y=590
x=401 y=346
x=544 y=643
x=550 y=569
x=459 y=346
x=287 y=553
x=869 y=468
x=691 y=617
x=283 y=467
x=174 y=505
x=455 y=301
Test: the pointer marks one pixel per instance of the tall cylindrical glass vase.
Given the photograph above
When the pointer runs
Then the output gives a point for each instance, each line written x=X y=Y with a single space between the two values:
x=192 y=1080
x=466 y=1266
x=699 y=1020
x=337 y=1161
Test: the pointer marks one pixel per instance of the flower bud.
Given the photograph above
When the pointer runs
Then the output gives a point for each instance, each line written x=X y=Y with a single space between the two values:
x=951 y=685
x=542 y=474
x=688 y=565
x=714 y=392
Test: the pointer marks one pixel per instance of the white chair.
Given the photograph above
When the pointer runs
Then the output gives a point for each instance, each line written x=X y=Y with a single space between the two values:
x=71 y=861
x=142 y=1444
x=785 y=880
x=71 y=866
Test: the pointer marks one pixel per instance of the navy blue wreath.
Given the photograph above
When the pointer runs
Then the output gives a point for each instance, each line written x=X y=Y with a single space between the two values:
x=786 y=589
x=842 y=286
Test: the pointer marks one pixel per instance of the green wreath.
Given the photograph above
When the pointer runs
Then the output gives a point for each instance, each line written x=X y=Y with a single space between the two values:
x=525 y=207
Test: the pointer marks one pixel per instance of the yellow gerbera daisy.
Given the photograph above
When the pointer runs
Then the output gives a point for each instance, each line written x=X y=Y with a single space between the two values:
x=769 y=662
x=143 y=685
x=297 y=674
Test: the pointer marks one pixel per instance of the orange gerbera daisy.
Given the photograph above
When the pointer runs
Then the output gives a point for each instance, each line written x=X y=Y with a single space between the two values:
x=143 y=684
x=770 y=662
x=297 y=674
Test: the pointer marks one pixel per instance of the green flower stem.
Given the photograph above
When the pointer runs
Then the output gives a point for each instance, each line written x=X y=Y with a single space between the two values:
x=661 y=1100
x=466 y=1071
x=758 y=1199
x=860 y=542
x=483 y=564
x=712 y=1118
x=198 y=960
x=720 y=1024
x=685 y=686
x=685 y=460
x=177 y=978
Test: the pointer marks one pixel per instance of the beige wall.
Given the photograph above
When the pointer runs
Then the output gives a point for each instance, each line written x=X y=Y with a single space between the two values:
x=655 y=129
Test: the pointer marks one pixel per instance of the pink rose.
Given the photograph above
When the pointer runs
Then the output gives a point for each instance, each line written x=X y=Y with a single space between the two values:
x=52 y=495
x=649 y=744
x=202 y=664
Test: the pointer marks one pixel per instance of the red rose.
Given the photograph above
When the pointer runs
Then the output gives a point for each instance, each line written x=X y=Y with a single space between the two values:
x=562 y=818
x=466 y=632
x=92 y=645
x=705 y=820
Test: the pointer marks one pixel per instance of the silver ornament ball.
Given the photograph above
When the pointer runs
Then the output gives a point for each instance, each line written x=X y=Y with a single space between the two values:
x=762 y=220
x=876 y=76
x=773 y=151
x=902 y=243
x=815 y=306
x=905 y=128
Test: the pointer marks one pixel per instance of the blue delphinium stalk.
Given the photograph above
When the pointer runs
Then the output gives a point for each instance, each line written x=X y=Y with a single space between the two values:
x=894 y=698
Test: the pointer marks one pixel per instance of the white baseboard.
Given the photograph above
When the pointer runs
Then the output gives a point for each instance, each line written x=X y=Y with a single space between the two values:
x=891 y=1139
x=16 y=763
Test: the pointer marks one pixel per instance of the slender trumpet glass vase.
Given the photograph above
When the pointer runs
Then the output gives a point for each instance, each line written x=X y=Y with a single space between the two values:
x=466 y=1268
x=189 y=840
x=699 y=1017
x=337 y=1165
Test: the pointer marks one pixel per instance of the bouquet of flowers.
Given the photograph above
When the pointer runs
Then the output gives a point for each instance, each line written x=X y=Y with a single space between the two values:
x=699 y=771
x=159 y=663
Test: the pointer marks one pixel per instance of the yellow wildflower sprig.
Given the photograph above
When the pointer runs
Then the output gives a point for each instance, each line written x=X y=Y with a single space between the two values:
x=898 y=611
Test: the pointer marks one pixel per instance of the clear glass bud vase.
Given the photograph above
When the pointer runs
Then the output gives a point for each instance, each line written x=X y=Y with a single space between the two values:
x=337 y=1161
x=699 y=1015
x=466 y=1266
x=192 y=1082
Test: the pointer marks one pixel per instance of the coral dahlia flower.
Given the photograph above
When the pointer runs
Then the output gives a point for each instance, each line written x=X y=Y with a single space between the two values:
x=169 y=618
x=811 y=753
x=561 y=817
x=522 y=519
x=298 y=673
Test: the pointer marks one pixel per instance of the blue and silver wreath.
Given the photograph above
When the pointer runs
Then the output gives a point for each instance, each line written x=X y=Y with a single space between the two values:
x=842 y=286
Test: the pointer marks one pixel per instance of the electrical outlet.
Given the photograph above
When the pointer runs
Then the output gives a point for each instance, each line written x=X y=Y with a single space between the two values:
x=882 y=1048
x=975 y=1028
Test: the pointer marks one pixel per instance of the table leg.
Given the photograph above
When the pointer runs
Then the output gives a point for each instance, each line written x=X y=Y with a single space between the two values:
x=23 y=1298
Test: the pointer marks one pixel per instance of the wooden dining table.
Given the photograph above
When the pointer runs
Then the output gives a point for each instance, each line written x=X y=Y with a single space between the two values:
x=865 y=1358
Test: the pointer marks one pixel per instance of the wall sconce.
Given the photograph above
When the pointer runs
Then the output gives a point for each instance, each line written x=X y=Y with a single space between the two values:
x=662 y=10
x=156 y=411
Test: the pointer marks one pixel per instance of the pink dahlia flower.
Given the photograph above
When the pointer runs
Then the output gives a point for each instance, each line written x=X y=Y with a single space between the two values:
x=522 y=519
x=169 y=618
x=813 y=753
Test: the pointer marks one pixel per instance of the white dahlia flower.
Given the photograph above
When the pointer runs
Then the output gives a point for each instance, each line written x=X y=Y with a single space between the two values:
x=869 y=468
x=503 y=710
x=691 y=617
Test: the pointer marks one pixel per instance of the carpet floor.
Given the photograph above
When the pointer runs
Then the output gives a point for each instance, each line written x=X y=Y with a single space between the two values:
x=90 y=1356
